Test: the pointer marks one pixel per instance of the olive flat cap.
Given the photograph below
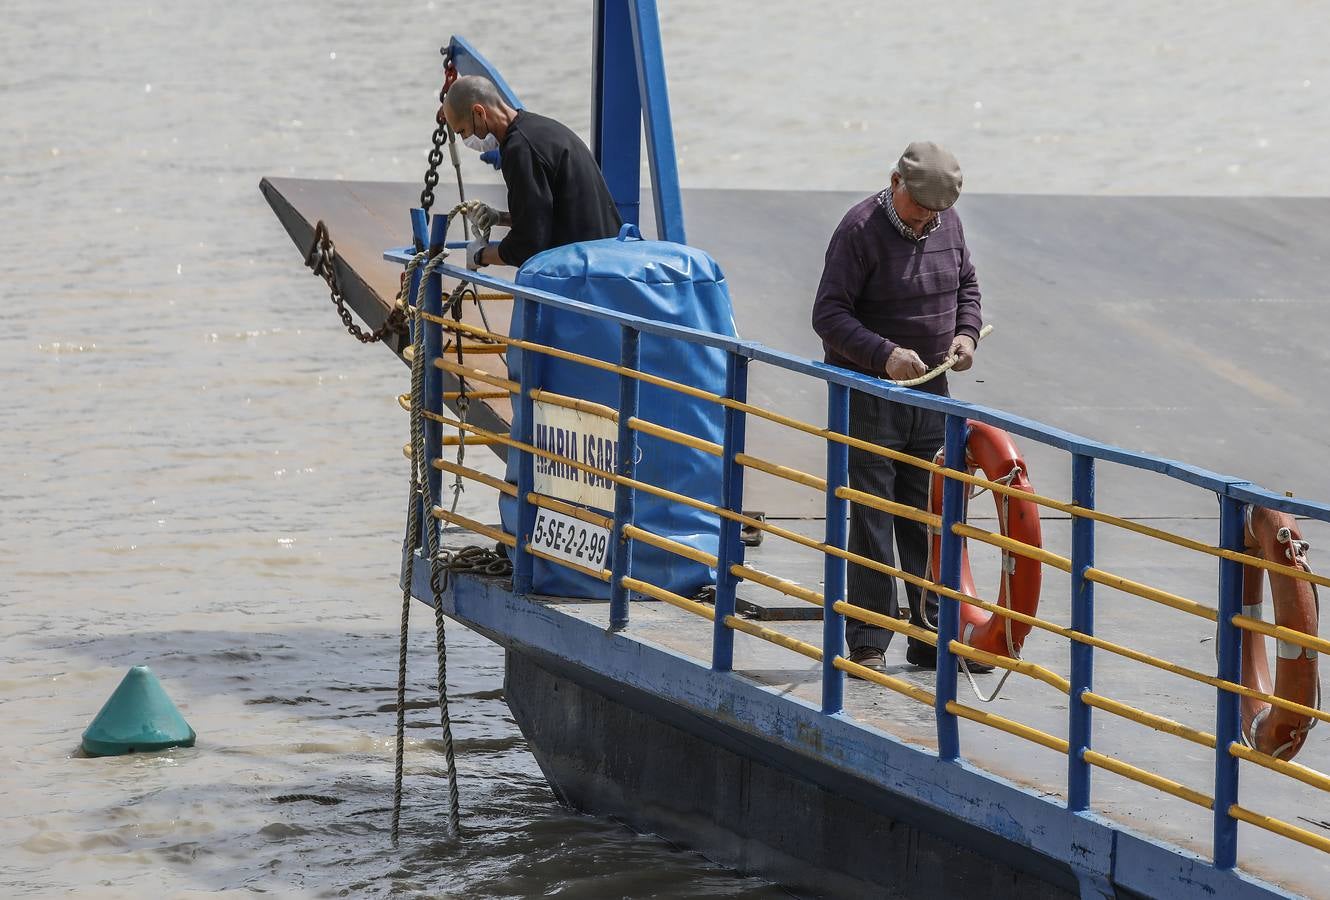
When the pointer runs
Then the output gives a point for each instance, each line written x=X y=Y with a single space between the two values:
x=931 y=175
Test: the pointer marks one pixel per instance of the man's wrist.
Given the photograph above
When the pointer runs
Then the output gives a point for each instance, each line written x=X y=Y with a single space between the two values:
x=478 y=259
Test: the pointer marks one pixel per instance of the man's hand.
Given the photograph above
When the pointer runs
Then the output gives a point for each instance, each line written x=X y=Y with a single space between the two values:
x=962 y=347
x=473 y=251
x=482 y=215
x=904 y=364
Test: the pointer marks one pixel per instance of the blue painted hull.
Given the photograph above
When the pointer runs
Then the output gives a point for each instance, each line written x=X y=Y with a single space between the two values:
x=961 y=828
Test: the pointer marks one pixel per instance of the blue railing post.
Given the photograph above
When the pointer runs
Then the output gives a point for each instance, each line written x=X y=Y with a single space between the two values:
x=630 y=357
x=833 y=576
x=731 y=550
x=1228 y=709
x=1082 y=620
x=948 y=620
x=528 y=379
x=433 y=347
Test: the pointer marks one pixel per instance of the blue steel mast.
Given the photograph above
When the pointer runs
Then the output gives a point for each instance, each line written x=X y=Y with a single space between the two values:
x=629 y=92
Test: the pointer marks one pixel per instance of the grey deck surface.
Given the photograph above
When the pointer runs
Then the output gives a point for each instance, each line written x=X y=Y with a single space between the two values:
x=1192 y=328
x=1173 y=635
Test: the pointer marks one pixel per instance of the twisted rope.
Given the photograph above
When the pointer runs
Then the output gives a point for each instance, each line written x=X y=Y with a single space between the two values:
x=438 y=572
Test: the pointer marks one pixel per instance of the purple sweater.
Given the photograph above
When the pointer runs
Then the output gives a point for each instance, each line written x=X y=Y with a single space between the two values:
x=881 y=290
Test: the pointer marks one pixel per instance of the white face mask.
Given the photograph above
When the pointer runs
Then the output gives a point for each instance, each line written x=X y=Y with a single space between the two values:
x=481 y=145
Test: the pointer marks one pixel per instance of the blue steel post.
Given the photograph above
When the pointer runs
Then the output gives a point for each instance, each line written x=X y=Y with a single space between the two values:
x=526 y=469
x=656 y=113
x=433 y=347
x=731 y=551
x=1228 y=711
x=616 y=108
x=1082 y=620
x=948 y=622
x=625 y=466
x=833 y=575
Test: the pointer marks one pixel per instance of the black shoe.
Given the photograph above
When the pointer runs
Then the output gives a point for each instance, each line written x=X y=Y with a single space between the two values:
x=869 y=658
x=925 y=657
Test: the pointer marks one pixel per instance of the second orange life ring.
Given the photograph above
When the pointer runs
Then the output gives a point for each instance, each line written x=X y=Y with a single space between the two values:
x=992 y=451
x=1273 y=729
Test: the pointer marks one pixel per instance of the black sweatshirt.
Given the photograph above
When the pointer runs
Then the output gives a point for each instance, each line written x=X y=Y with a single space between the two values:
x=556 y=194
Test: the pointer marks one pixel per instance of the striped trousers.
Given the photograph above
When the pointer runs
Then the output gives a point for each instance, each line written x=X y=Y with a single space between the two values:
x=918 y=432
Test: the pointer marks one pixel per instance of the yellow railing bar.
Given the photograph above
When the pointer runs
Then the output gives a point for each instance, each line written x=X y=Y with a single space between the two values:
x=1011 y=545
x=890 y=682
x=1142 y=776
x=1002 y=723
x=591 y=361
x=544 y=454
x=1150 y=720
x=942 y=590
x=789 y=588
x=650 y=590
x=470 y=440
x=964 y=477
x=1294 y=770
x=1288 y=635
x=677 y=437
x=466 y=472
x=594 y=409
x=476 y=295
x=664 y=543
x=1280 y=827
x=775 y=637
x=476 y=375
x=887 y=622
x=404 y=400
x=762 y=465
x=602 y=574
x=1199 y=546
x=1108 y=579
x=477 y=349
x=1024 y=667
x=891 y=506
x=690 y=391
x=493 y=534
x=568 y=509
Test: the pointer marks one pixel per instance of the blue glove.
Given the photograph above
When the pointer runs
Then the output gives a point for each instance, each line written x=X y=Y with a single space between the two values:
x=492 y=157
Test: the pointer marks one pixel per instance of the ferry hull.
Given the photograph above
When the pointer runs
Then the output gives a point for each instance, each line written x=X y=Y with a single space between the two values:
x=760 y=780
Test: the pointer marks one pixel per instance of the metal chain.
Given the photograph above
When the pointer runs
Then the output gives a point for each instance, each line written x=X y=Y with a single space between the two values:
x=441 y=133
x=322 y=260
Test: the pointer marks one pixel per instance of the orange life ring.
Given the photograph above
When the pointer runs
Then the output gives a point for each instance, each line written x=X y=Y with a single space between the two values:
x=1280 y=732
x=992 y=450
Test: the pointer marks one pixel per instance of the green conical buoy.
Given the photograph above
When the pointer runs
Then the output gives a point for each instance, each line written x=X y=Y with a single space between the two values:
x=138 y=717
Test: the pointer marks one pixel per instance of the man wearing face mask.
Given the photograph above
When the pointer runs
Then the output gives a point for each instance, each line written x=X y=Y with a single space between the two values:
x=556 y=193
x=898 y=296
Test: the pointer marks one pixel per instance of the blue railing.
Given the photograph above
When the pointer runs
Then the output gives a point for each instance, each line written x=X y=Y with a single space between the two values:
x=1234 y=495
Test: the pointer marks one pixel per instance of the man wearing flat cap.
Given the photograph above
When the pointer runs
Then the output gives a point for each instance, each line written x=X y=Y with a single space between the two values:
x=898 y=296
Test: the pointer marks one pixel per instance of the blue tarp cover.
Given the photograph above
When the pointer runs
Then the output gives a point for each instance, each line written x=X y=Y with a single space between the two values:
x=657 y=280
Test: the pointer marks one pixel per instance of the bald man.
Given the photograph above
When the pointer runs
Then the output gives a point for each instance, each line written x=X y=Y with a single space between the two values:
x=556 y=193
